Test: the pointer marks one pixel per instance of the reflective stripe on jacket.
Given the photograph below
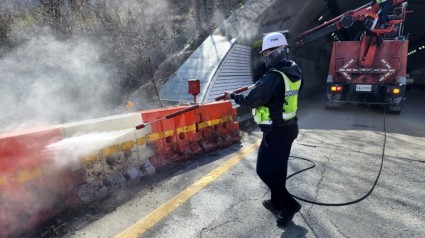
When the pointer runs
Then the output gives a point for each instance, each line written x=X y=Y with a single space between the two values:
x=380 y=1
x=290 y=106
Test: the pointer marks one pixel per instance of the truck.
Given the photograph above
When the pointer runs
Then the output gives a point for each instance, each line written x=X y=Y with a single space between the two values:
x=370 y=69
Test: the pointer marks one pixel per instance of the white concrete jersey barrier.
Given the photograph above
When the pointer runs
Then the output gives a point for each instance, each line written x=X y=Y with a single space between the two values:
x=110 y=151
x=43 y=171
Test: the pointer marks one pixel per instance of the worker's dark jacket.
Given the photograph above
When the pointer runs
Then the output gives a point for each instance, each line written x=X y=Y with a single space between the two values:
x=270 y=91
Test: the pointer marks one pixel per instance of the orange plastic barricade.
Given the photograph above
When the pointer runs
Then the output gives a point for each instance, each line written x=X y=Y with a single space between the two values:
x=189 y=134
x=162 y=137
x=228 y=128
x=187 y=139
x=217 y=125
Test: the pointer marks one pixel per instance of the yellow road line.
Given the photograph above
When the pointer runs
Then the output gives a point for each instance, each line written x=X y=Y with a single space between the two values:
x=151 y=219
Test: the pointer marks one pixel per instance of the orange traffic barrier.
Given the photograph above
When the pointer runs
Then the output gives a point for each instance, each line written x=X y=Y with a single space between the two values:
x=207 y=128
x=228 y=127
x=162 y=136
x=187 y=138
x=217 y=125
x=34 y=187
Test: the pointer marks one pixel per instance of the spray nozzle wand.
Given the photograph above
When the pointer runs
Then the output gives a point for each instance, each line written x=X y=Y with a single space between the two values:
x=191 y=108
x=171 y=115
x=239 y=90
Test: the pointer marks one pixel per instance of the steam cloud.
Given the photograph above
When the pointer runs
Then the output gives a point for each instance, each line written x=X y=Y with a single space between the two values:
x=46 y=81
x=67 y=151
x=49 y=81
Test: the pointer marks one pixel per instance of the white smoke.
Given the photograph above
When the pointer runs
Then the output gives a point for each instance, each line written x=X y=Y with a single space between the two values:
x=47 y=81
x=67 y=152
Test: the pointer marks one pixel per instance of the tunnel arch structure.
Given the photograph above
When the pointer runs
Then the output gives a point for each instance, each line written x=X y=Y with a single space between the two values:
x=249 y=23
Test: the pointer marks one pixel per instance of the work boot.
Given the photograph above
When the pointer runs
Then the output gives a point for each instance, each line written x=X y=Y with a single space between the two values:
x=286 y=215
x=272 y=208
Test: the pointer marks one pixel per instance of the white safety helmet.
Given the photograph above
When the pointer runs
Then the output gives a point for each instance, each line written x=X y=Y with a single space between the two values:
x=273 y=40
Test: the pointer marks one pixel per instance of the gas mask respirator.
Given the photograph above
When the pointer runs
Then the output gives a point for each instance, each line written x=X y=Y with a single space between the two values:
x=276 y=56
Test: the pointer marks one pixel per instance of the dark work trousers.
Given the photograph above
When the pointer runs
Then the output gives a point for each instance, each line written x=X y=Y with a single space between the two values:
x=272 y=163
x=385 y=9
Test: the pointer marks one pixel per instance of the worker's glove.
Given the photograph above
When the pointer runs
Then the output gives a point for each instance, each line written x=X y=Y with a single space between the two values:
x=229 y=96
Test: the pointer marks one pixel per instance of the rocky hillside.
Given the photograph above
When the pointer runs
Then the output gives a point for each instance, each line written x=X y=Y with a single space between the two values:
x=65 y=60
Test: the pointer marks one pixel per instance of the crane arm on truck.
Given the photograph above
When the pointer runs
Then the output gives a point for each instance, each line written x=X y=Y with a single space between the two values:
x=371 y=68
x=345 y=20
x=370 y=39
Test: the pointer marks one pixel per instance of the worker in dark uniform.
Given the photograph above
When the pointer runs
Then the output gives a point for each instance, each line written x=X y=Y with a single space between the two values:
x=385 y=8
x=274 y=101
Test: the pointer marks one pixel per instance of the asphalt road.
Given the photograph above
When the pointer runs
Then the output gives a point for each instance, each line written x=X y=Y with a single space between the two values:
x=346 y=146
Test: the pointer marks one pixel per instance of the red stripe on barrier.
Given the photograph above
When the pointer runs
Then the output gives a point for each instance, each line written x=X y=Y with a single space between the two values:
x=21 y=165
x=23 y=150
